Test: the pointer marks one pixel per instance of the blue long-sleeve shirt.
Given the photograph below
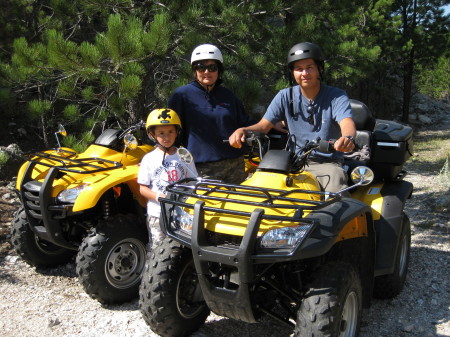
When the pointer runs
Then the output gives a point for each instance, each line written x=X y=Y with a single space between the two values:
x=207 y=119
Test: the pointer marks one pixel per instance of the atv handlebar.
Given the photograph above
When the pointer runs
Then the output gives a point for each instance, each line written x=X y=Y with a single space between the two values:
x=139 y=125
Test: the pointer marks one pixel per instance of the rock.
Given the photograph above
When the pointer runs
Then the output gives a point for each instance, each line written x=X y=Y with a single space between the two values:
x=53 y=321
x=412 y=116
x=22 y=132
x=11 y=157
x=425 y=119
x=409 y=327
x=442 y=203
x=6 y=196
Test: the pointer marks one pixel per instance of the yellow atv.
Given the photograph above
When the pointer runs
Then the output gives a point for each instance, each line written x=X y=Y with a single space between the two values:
x=277 y=245
x=87 y=203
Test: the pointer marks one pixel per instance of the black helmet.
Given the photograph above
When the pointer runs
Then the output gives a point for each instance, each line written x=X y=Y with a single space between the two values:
x=305 y=50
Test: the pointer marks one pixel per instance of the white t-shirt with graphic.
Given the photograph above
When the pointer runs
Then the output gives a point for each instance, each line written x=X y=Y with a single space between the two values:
x=157 y=176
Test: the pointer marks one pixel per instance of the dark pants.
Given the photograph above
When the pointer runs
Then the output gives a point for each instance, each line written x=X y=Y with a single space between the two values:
x=229 y=170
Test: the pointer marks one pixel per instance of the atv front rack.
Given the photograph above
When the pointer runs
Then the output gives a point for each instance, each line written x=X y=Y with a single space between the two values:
x=267 y=197
x=67 y=164
x=231 y=198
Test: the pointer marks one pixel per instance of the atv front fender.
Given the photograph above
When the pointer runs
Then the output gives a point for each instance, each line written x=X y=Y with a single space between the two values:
x=334 y=220
x=99 y=184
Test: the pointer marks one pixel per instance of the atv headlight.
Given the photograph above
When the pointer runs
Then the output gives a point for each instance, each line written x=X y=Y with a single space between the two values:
x=70 y=195
x=182 y=220
x=285 y=237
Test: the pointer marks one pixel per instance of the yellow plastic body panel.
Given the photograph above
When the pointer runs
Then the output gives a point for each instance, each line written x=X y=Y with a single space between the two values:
x=236 y=225
x=371 y=196
x=250 y=165
x=98 y=182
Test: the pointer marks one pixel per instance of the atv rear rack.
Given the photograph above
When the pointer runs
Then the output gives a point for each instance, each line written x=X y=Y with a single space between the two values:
x=67 y=164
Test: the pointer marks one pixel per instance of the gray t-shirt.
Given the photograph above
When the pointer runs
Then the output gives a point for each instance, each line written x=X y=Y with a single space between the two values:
x=330 y=107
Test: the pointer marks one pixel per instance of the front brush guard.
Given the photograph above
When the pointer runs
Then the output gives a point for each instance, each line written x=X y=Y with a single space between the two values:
x=234 y=303
x=230 y=303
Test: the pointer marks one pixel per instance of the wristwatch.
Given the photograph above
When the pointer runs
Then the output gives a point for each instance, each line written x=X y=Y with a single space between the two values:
x=351 y=138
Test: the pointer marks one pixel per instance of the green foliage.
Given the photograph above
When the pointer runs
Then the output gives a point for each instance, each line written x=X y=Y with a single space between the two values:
x=88 y=61
x=4 y=157
x=130 y=86
x=433 y=79
x=38 y=108
x=444 y=174
x=71 y=112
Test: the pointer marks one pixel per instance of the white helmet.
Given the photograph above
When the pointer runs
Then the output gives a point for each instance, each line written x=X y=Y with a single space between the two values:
x=206 y=52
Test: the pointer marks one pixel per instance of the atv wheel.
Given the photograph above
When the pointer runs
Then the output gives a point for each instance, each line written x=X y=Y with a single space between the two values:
x=389 y=286
x=111 y=259
x=170 y=297
x=332 y=304
x=32 y=249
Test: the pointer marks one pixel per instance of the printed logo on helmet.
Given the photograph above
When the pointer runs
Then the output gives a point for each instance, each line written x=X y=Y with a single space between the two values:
x=164 y=116
x=298 y=52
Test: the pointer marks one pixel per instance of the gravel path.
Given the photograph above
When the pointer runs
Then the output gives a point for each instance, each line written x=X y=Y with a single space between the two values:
x=50 y=302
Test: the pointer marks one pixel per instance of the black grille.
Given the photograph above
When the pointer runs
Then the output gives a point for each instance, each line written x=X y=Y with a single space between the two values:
x=31 y=194
x=223 y=240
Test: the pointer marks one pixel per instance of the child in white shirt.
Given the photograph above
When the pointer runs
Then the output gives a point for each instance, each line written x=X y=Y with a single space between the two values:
x=161 y=167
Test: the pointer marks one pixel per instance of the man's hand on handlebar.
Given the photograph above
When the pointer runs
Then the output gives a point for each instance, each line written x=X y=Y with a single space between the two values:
x=344 y=144
x=237 y=138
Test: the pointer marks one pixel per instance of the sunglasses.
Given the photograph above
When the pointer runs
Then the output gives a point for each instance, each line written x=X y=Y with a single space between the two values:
x=310 y=110
x=212 y=68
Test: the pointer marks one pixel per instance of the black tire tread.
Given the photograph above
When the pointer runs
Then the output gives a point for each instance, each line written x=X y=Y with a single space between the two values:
x=24 y=242
x=158 y=291
x=318 y=312
x=90 y=259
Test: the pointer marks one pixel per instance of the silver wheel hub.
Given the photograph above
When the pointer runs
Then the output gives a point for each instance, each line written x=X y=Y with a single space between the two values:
x=125 y=263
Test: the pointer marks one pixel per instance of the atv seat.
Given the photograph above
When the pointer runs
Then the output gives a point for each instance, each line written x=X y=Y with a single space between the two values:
x=109 y=138
x=365 y=123
x=362 y=116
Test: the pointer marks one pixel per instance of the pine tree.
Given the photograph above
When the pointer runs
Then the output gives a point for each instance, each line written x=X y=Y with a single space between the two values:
x=86 y=63
x=85 y=83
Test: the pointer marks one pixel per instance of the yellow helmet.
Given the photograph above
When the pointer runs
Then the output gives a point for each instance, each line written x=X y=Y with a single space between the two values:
x=162 y=117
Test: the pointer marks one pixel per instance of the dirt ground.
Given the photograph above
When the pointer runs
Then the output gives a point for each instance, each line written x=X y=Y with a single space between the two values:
x=7 y=208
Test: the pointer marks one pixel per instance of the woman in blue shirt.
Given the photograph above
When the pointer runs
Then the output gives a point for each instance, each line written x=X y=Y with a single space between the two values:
x=210 y=113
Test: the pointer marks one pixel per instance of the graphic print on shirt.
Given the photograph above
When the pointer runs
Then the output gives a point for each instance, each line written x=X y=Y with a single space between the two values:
x=169 y=173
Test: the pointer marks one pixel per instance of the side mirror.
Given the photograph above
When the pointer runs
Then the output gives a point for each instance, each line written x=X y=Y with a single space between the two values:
x=362 y=175
x=61 y=130
x=187 y=158
x=185 y=155
x=130 y=142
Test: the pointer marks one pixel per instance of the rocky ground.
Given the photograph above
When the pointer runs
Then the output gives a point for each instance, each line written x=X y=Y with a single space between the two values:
x=50 y=302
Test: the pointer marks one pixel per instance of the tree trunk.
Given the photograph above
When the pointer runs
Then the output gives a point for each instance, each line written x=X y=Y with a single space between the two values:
x=408 y=69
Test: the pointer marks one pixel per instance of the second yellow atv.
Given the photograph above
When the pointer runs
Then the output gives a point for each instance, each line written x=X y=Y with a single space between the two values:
x=278 y=246
x=86 y=204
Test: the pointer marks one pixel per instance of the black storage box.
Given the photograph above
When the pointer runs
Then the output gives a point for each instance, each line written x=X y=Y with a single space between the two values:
x=392 y=145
